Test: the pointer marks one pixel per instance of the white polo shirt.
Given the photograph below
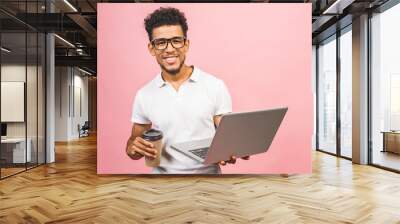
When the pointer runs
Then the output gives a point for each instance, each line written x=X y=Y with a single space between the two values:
x=183 y=115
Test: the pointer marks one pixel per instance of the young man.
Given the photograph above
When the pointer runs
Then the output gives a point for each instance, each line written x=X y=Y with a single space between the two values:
x=182 y=101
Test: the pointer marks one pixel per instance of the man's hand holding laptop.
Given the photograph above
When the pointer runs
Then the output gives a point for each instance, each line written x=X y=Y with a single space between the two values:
x=232 y=160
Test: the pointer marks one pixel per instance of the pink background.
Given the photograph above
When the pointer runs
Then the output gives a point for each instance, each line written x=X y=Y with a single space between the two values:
x=261 y=51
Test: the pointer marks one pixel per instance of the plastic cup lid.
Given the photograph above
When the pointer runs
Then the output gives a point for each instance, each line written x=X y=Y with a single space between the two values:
x=152 y=135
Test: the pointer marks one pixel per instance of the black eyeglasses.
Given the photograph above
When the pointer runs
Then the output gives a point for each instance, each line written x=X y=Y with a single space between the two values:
x=162 y=43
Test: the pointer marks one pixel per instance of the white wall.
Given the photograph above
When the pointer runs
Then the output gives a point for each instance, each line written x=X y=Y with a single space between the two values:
x=62 y=81
x=70 y=83
x=80 y=84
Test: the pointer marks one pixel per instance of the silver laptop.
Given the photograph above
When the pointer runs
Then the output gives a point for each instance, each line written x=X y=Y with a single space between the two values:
x=238 y=134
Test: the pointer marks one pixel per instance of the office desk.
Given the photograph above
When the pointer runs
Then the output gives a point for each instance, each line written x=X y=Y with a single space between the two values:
x=13 y=150
x=391 y=141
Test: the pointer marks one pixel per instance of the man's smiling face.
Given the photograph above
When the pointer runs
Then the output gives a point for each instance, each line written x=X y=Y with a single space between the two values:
x=172 y=58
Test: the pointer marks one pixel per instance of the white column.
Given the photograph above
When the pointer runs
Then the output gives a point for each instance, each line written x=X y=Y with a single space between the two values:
x=50 y=91
x=360 y=90
x=50 y=100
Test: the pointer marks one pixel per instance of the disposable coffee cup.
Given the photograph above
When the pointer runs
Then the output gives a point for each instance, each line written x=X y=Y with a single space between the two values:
x=155 y=137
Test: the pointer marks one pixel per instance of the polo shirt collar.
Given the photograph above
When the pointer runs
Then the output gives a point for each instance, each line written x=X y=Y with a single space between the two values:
x=160 y=81
x=194 y=77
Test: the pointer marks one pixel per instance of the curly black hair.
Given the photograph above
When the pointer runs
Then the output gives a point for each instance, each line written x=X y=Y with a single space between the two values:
x=165 y=16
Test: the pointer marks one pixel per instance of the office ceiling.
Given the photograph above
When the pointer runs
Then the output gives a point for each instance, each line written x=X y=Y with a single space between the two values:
x=76 y=22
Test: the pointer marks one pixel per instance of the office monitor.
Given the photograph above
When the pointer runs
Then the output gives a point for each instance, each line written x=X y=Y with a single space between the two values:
x=3 y=129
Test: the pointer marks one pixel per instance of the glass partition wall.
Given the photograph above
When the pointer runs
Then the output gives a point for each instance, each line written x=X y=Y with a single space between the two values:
x=345 y=93
x=385 y=89
x=334 y=93
x=327 y=95
x=22 y=88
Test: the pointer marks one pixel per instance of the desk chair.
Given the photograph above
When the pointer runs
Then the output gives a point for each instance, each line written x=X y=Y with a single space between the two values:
x=84 y=130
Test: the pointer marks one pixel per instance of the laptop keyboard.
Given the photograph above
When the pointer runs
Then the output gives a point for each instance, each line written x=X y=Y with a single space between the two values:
x=202 y=152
